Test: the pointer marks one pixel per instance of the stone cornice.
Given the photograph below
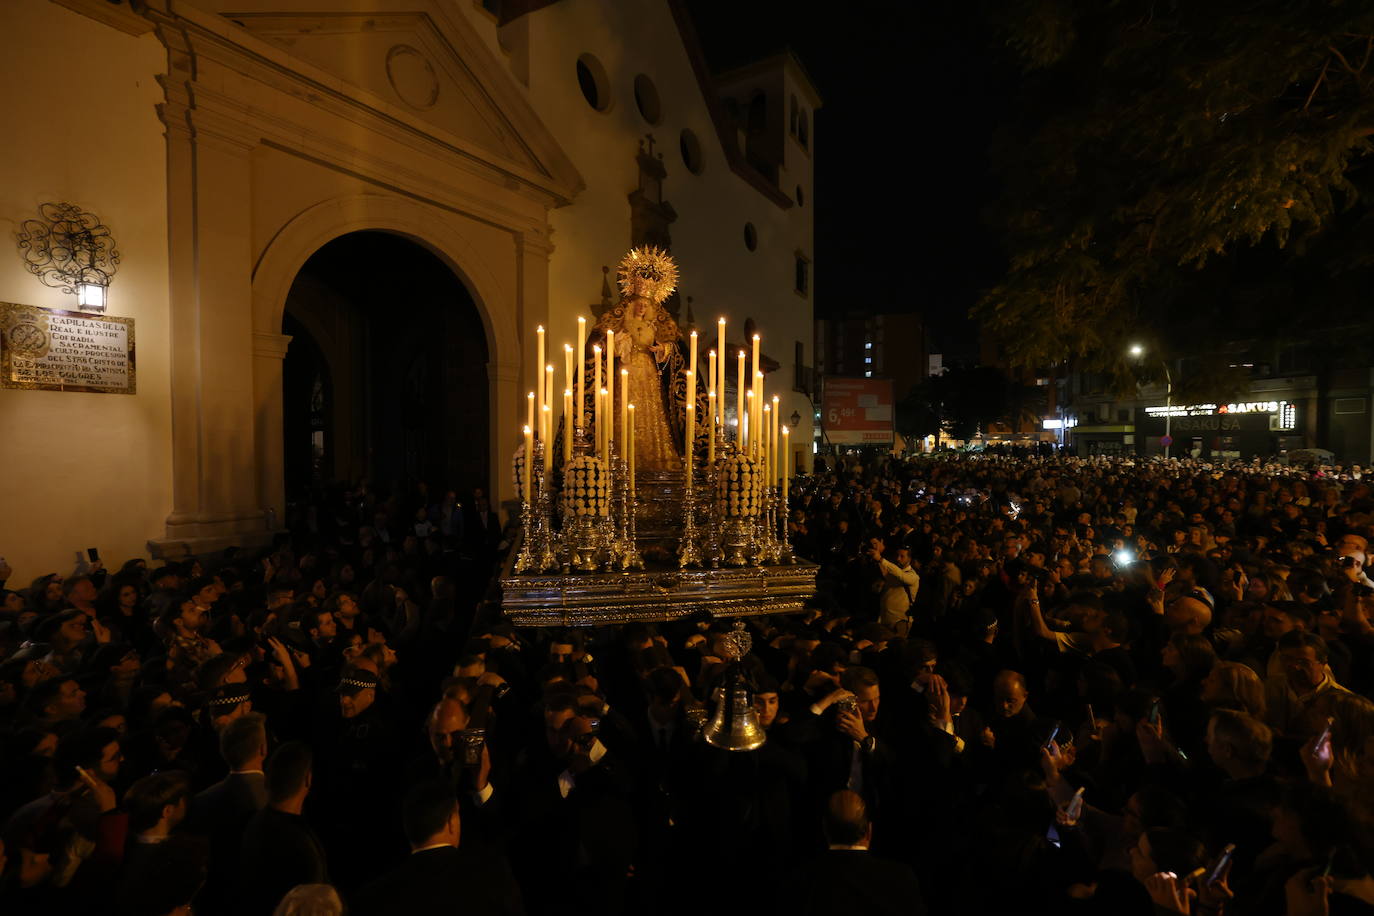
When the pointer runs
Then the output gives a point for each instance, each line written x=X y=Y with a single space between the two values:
x=213 y=38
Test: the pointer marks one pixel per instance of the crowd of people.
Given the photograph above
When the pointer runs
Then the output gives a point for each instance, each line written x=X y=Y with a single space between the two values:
x=1027 y=683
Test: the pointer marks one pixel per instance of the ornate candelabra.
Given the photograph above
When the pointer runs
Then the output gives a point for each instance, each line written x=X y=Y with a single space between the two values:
x=785 y=555
x=624 y=548
x=524 y=561
x=689 y=550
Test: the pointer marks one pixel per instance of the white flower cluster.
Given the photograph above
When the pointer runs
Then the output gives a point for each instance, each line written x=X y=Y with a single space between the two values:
x=586 y=487
x=518 y=471
x=739 y=486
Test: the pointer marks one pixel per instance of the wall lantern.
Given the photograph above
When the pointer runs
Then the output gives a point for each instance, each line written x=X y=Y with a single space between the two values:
x=69 y=248
x=795 y=419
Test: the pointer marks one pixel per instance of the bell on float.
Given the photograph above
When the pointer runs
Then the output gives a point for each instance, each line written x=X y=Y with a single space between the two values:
x=735 y=725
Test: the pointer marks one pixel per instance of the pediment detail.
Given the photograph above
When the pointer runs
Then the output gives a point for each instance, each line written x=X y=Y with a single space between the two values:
x=404 y=60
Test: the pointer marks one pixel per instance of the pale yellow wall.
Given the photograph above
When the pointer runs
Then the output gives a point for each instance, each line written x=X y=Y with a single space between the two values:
x=83 y=470
x=718 y=272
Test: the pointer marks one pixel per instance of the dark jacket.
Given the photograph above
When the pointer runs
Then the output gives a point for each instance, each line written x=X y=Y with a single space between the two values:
x=279 y=851
x=443 y=880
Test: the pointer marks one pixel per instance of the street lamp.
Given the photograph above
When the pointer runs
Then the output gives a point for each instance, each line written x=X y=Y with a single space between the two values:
x=1138 y=351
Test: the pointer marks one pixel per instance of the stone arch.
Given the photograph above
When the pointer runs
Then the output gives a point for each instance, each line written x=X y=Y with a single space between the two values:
x=314 y=227
x=309 y=231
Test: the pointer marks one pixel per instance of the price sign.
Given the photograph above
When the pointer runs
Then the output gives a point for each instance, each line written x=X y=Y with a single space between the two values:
x=858 y=411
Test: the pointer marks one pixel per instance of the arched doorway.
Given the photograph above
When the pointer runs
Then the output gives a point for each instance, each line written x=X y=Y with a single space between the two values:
x=385 y=379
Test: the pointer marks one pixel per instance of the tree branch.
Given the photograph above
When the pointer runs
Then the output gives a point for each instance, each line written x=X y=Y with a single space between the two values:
x=1317 y=84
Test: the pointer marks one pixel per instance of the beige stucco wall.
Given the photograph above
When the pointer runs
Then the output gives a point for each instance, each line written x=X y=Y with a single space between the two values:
x=721 y=275
x=83 y=470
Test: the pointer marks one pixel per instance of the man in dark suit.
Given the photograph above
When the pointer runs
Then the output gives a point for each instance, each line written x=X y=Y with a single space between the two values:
x=481 y=526
x=439 y=877
x=847 y=878
x=222 y=811
x=279 y=849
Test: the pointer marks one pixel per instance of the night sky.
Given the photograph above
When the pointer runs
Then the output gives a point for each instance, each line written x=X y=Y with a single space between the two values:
x=912 y=93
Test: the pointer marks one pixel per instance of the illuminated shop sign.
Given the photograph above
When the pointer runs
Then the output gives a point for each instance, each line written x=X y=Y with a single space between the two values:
x=1207 y=410
x=1283 y=415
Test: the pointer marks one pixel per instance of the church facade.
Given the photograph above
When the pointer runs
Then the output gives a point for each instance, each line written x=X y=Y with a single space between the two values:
x=523 y=145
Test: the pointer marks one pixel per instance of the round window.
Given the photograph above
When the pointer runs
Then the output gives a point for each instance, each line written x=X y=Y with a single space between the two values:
x=690 y=147
x=591 y=79
x=751 y=236
x=646 y=99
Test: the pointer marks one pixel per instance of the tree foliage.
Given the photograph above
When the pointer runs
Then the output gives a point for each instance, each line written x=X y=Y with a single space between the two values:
x=962 y=402
x=1177 y=166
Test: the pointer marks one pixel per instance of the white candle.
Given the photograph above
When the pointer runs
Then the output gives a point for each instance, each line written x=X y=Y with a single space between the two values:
x=774 y=467
x=546 y=432
x=567 y=366
x=765 y=457
x=548 y=400
x=610 y=390
x=711 y=439
x=603 y=412
x=739 y=402
x=758 y=393
x=691 y=434
x=720 y=384
x=747 y=428
x=538 y=371
x=786 y=466
x=692 y=359
x=596 y=401
x=567 y=426
x=529 y=462
x=581 y=368
x=711 y=381
x=624 y=400
x=691 y=390
x=529 y=418
x=631 y=427
x=758 y=412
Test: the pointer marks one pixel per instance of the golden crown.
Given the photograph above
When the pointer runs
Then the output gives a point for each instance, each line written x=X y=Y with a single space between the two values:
x=648 y=263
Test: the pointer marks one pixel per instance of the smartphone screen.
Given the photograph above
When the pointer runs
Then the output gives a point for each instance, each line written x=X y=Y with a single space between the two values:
x=1223 y=860
x=92 y=554
x=1154 y=713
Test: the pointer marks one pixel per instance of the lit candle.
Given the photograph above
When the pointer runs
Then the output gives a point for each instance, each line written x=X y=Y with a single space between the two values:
x=691 y=391
x=739 y=402
x=546 y=433
x=581 y=368
x=603 y=411
x=692 y=359
x=691 y=434
x=567 y=426
x=567 y=366
x=548 y=403
x=538 y=369
x=720 y=385
x=529 y=462
x=759 y=411
x=610 y=391
x=529 y=417
x=711 y=439
x=764 y=457
x=624 y=401
x=596 y=387
x=747 y=428
x=711 y=381
x=774 y=467
x=786 y=467
x=631 y=427
x=754 y=367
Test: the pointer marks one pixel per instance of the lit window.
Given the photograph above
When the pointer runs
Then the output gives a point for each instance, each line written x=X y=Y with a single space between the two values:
x=868 y=374
x=868 y=359
x=868 y=345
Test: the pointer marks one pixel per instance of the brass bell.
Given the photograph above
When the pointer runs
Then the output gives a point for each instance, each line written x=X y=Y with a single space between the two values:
x=735 y=725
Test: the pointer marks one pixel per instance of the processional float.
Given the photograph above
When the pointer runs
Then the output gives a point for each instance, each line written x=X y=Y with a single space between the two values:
x=644 y=499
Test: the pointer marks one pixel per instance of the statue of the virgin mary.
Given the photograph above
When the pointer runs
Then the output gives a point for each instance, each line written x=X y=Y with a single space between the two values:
x=649 y=345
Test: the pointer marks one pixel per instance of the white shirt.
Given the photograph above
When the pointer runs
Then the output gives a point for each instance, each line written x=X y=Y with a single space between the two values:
x=567 y=782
